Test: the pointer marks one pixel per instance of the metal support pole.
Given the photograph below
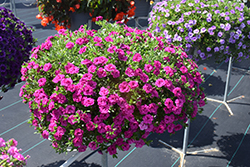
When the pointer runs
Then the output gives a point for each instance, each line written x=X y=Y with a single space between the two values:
x=13 y=6
x=228 y=78
x=185 y=142
x=104 y=159
x=184 y=152
x=225 y=101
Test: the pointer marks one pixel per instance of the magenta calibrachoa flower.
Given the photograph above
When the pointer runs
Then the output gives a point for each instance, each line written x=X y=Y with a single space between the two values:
x=204 y=28
x=113 y=94
x=9 y=154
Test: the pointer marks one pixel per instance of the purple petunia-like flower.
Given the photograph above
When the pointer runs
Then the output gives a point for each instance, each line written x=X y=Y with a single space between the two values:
x=227 y=27
x=220 y=34
x=203 y=56
x=241 y=19
x=232 y=11
x=203 y=30
x=16 y=42
x=216 y=49
x=209 y=19
x=196 y=31
x=222 y=41
x=227 y=18
x=217 y=11
x=3 y=68
x=157 y=29
x=208 y=49
x=240 y=54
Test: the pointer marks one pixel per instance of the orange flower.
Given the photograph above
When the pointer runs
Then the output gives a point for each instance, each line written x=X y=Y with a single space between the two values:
x=55 y=22
x=72 y=9
x=204 y=68
x=59 y=1
x=132 y=3
x=51 y=18
x=93 y=19
x=90 y=14
x=131 y=12
x=45 y=20
x=77 y=6
x=43 y=23
x=59 y=27
x=39 y=16
x=119 y=16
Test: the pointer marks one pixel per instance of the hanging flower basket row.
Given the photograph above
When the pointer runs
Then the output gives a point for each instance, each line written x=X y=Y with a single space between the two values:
x=58 y=12
x=109 y=88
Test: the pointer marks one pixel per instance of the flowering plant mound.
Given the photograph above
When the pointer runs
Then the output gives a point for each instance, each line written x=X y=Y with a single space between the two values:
x=206 y=28
x=15 y=45
x=110 y=10
x=10 y=155
x=109 y=88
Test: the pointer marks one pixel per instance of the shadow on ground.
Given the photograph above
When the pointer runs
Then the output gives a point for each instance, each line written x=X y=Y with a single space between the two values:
x=228 y=146
x=39 y=26
x=75 y=164
x=202 y=138
x=211 y=83
x=244 y=64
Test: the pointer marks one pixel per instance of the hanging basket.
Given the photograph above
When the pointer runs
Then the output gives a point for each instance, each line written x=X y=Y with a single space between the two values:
x=78 y=19
x=142 y=8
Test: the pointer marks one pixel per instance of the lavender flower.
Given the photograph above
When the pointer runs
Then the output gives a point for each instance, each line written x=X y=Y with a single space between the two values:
x=236 y=36
x=222 y=41
x=227 y=27
x=222 y=47
x=196 y=31
x=157 y=29
x=240 y=44
x=220 y=34
x=177 y=9
x=240 y=54
x=222 y=14
x=222 y=26
x=217 y=11
x=203 y=30
x=209 y=19
x=241 y=19
x=203 y=56
x=216 y=49
x=238 y=32
x=227 y=18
